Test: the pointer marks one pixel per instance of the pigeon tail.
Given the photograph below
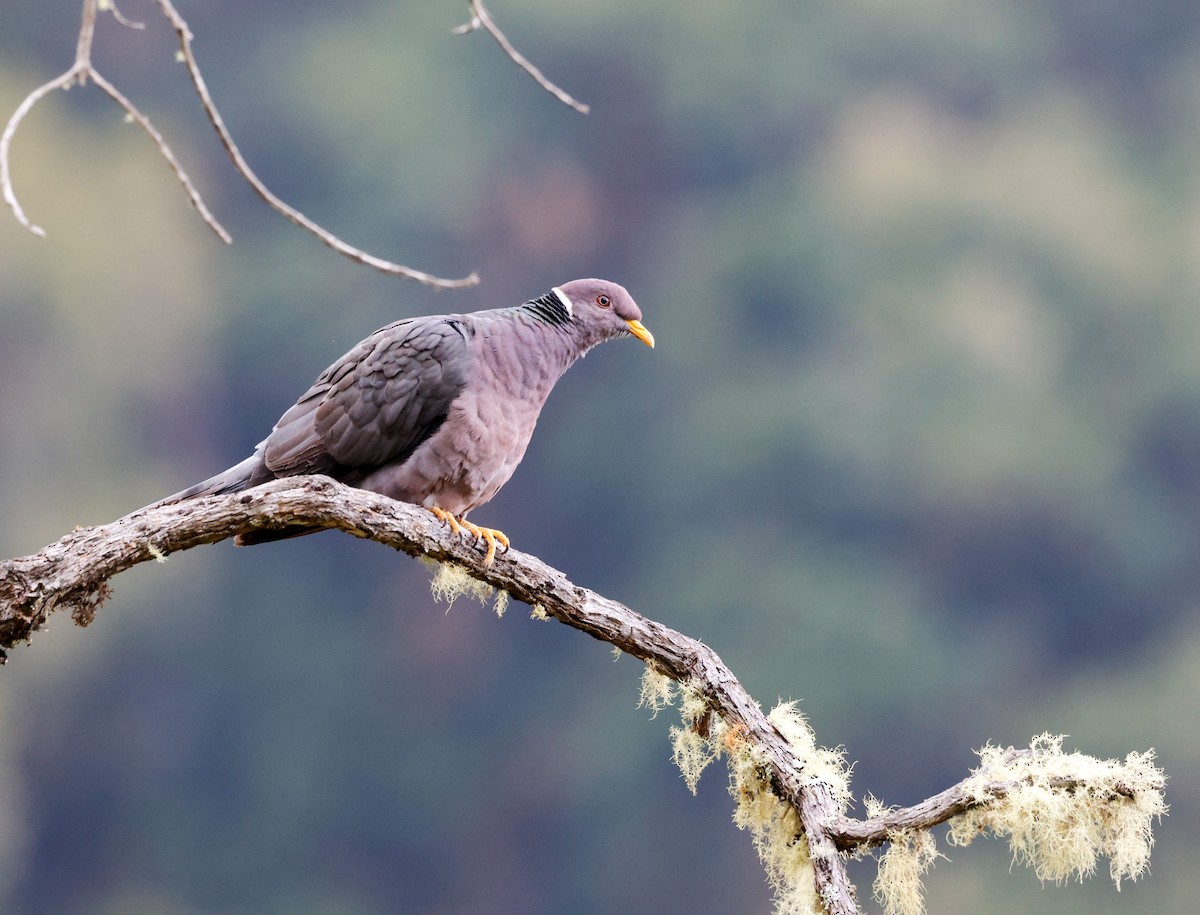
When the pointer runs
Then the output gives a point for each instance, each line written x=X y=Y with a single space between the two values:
x=235 y=479
x=238 y=477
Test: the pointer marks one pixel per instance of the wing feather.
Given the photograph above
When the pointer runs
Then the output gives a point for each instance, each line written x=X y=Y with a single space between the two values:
x=377 y=403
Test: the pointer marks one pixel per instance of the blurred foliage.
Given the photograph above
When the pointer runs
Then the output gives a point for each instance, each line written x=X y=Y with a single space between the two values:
x=920 y=444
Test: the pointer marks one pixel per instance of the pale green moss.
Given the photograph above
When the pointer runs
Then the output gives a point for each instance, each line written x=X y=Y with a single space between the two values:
x=774 y=825
x=454 y=581
x=821 y=764
x=658 y=690
x=691 y=751
x=775 y=829
x=873 y=806
x=898 y=887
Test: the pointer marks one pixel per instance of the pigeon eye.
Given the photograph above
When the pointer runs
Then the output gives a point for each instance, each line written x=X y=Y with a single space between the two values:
x=603 y=301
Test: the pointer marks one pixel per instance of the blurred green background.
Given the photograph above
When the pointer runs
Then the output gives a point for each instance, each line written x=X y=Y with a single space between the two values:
x=919 y=445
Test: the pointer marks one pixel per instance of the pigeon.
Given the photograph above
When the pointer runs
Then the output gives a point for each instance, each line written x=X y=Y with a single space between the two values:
x=436 y=411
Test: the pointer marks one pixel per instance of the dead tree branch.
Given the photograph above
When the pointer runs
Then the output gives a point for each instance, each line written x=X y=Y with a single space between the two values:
x=73 y=574
x=481 y=18
x=291 y=213
x=83 y=70
x=849 y=833
x=79 y=73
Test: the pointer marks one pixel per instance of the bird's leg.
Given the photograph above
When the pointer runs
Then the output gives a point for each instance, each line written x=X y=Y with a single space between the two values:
x=490 y=535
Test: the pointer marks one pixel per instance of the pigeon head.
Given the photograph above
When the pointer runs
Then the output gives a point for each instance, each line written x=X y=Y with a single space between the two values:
x=603 y=310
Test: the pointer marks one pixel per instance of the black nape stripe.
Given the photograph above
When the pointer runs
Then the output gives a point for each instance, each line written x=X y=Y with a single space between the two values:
x=548 y=308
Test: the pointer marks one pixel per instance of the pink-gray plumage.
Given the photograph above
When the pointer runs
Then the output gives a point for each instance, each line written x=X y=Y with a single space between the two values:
x=439 y=410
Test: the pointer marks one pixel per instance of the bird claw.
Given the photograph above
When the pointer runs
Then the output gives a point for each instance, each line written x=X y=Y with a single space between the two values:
x=443 y=515
x=491 y=535
x=488 y=534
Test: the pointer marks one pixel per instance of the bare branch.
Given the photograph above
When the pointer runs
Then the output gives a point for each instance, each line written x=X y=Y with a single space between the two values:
x=111 y=6
x=81 y=72
x=87 y=31
x=239 y=162
x=10 y=129
x=78 y=72
x=481 y=18
x=144 y=122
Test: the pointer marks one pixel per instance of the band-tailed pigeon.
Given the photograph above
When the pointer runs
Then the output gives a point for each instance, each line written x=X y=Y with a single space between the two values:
x=438 y=410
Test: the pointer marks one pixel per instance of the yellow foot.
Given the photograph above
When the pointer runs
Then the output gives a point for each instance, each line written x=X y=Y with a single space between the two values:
x=488 y=534
x=444 y=515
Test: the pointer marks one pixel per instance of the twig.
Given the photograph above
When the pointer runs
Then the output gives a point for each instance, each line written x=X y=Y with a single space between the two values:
x=80 y=73
x=111 y=6
x=239 y=162
x=10 y=195
x=481 y=18
x=144 y=122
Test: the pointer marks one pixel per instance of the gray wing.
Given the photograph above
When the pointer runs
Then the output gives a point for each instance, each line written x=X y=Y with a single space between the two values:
x=376 y=404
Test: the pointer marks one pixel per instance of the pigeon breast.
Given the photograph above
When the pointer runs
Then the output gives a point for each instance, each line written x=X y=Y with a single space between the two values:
x=514 y=364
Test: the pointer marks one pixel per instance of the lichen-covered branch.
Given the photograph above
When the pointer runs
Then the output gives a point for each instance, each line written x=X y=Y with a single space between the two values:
x=1008 y=770
x=73 y=574
x=1060 y=811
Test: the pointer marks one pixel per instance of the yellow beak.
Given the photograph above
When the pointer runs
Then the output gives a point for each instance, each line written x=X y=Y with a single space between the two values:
x=638 y=329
